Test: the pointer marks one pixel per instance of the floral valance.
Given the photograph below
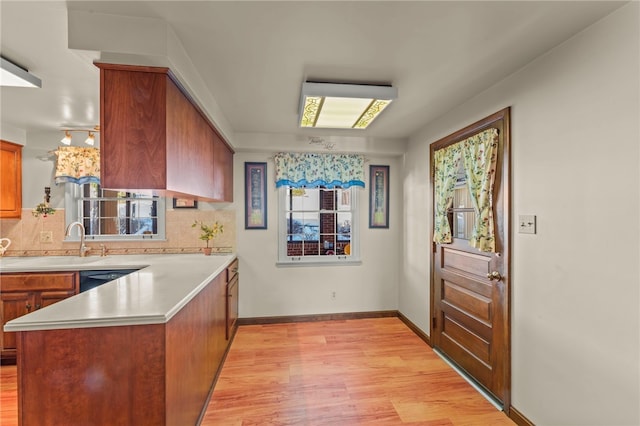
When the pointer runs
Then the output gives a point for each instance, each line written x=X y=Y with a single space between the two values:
x=77 y=165
x=312 y=170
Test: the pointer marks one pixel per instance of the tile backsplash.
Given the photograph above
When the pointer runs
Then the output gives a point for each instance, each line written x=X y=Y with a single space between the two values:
x=25 y=234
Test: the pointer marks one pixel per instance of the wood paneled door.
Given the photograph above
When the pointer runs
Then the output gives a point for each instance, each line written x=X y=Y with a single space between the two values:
x=470 y=288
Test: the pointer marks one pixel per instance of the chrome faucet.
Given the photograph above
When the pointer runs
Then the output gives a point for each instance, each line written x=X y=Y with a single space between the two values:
x=83 y=248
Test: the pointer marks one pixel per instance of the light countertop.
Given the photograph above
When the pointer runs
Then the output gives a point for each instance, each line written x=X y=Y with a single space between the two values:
x=153 y=295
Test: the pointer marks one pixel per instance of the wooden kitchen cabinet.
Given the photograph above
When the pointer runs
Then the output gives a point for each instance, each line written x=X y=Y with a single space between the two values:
x=155 y=138
x=28 y=292
x=11 y=181
x=169 y=368
x=232 y=298
x=222 y=170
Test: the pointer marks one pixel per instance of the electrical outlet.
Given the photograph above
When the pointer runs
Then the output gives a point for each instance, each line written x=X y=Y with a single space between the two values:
x=46 y=237
x=333 y=295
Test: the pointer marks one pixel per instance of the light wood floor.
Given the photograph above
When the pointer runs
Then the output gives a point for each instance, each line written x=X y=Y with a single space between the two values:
x=339 y=373
x=356 y=372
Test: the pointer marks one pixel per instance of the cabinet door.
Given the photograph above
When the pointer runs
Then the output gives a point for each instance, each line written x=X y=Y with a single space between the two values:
x=232 y=305
x=13 y=305
x=11 y=182
x=222 y=170
x=133 y=128
x=47 y=298
x=190 y=163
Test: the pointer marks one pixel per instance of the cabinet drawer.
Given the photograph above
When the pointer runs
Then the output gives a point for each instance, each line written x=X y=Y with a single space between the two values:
x=39 y=281
x=232 y=270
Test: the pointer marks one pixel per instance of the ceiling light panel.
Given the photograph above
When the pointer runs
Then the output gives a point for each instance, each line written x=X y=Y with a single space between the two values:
x=13 y=75
x=342 y=106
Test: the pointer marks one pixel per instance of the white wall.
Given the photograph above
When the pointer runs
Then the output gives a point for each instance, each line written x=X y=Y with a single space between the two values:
x=38 y=169
x=13 y=134
x=268 y=290
x=575 y=295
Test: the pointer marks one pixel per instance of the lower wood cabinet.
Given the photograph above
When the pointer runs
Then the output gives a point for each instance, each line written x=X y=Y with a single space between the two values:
x=150 y=374
x=24 y=293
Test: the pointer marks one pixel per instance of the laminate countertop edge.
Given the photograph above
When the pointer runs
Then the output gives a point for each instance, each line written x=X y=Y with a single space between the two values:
x=162 y=286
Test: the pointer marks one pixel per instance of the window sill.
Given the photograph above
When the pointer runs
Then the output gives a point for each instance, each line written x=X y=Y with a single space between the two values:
x=113 y=238
x=309 y=262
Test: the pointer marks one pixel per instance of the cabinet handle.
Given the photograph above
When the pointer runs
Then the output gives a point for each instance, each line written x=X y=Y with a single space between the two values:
x=28 y=306
x=234 y=270
x=38 y=307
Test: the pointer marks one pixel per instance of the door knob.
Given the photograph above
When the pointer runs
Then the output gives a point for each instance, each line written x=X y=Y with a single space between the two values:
x=495 y=275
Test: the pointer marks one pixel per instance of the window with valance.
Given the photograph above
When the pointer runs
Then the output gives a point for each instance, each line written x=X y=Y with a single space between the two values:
x=105 y=214
x=318 y=207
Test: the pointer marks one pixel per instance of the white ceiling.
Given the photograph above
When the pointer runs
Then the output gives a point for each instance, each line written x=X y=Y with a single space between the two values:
x=254 y=56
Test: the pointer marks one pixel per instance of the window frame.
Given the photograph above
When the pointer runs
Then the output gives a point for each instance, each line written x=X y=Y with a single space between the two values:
x=318 y=260
x=73 y=202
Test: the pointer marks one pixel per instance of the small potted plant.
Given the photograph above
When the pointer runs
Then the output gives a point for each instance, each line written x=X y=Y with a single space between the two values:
x=43 y=209
x=208 y=233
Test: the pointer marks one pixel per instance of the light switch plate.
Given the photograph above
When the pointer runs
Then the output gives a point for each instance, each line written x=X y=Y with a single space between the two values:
x=526 y=224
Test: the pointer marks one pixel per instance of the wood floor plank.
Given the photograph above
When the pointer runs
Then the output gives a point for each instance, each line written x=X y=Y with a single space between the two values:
x=338 y=373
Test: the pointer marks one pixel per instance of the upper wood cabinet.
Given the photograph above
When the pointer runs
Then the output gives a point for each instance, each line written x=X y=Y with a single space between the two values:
x=10 y=180
x=153 y=137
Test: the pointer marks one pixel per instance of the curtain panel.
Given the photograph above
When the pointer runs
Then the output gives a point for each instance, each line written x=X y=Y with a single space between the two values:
x=446 y=162
x=313 y=170
x=77 y=165
x=478 y=154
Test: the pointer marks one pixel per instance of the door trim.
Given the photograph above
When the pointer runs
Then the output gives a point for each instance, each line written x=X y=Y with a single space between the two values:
x=503 y=197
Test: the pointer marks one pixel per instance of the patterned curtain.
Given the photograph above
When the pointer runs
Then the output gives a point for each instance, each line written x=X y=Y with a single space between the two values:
x=479 y=155
x=77 y=165
x=446 y=162
x=313 y=170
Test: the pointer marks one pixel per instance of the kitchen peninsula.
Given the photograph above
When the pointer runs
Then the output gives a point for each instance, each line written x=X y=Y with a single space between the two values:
x=142 y=349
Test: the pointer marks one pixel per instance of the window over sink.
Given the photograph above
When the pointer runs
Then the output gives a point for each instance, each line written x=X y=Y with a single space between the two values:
x=115 y=215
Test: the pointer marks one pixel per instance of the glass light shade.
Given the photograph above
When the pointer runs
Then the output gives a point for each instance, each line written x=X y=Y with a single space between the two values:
x=90 y=140
x=67 y=138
